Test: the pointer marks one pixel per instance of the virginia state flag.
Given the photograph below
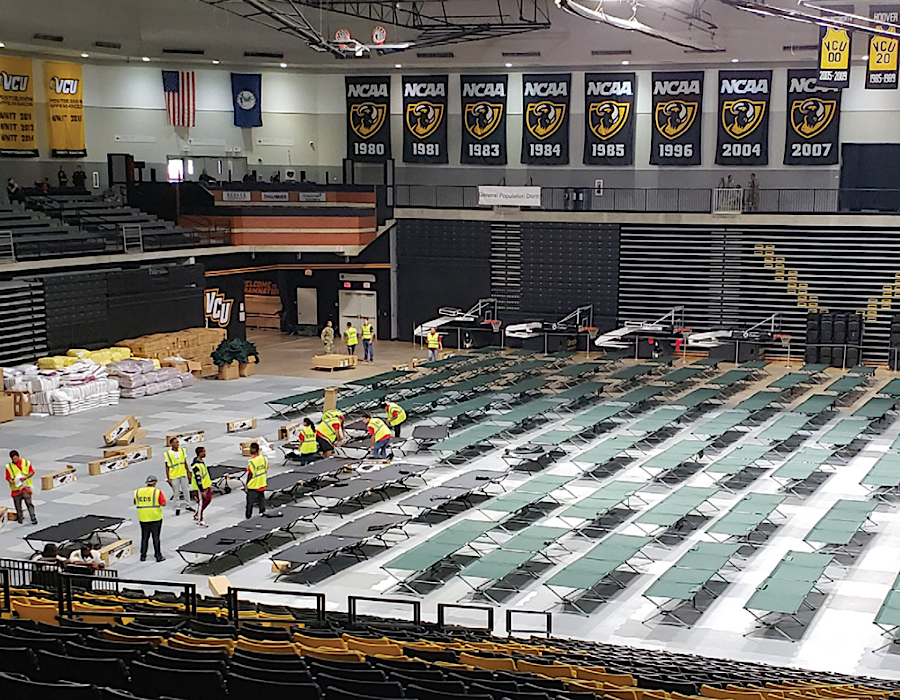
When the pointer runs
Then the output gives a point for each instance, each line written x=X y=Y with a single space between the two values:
x=246 y=93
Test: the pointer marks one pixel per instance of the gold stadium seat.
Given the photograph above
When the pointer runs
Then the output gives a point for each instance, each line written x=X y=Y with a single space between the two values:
x=113 y=636
x=313 y=642
x=555 y=670
x=588 y=673
x=374 y=647
x=490 y=664
x=34 y=610
x=353 y=657
x=281 y=647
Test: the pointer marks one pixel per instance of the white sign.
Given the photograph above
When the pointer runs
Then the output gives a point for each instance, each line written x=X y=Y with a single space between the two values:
x=499 y=196
x=234 y=196
x=275 y=197
x=135 y=138
x=312 y=196
x=274 y=142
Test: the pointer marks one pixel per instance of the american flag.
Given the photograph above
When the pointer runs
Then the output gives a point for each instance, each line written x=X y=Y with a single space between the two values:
x=181 y=105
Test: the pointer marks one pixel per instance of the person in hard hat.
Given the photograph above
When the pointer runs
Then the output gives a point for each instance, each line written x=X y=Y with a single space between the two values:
x=18 y=474
x=395 y=416
x=329 y=432
x=150 y=501
x=257 y=478
x=351 y=337
x=381 y=436
x=433 y=342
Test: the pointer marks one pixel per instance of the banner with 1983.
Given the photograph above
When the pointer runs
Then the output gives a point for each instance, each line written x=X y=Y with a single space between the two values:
x=483 y=102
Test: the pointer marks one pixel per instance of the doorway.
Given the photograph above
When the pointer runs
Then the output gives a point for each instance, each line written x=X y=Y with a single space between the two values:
x=355 y=306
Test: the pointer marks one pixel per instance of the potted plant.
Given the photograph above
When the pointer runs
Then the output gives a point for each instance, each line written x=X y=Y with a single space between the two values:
x=235 y=350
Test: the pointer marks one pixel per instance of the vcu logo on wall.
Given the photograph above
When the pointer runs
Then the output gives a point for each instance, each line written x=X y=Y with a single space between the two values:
x=217 y=308
x=813 y=123
x=425 y=126
x=607 y=118
x=483 y=100
x=368 y=119
x=482 y=118
x=677 y=101
x=743 y=132
x=544 y=118
x=64 y=86
x=812 y=115
x=609 y=109
x=423 y=118
x=741 y=117
x=675 y=117
x=545 y=138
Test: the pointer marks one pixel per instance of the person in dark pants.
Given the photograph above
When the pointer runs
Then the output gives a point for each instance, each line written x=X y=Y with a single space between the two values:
x=150 y=501
x=63 y=178
x=18 y=474
x=79 y=177
x=257 y=470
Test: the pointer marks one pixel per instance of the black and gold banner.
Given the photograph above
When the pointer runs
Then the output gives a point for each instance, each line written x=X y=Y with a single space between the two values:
x=609 y=118
x=743 y=131
x=545 y=119
x=425 y=119
x=881 y=68
x=813 y=121
x=483 y=102
x=65 y=109
x=677 y=112
x=834 y=55
x=368 y=118
x=17 y=136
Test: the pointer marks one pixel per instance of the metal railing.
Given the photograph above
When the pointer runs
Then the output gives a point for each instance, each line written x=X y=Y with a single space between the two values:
x=22 y=573
x=69 y=582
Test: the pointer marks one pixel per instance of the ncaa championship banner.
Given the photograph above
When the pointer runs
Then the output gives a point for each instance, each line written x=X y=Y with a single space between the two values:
x=483 y=100
x=425 y=119
x=743 y=131
x=545 y=119
x=609 y=118
x=834 y=55
x=881 y=68
x=813 y=121
x=17 y=136
x=65 y=109
x=677 y=112
x=368 y=118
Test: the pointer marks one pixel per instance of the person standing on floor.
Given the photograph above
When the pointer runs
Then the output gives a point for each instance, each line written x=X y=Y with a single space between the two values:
x=368 y=338
x=381 y=436
x=351 y=337
x=200 y=474
x=79 y=177
x=257 y=471
x=63 y=178
x=329 y=431
x=308 y=444
x=150 y=501
x=328 y=338
x=395 y=416
x=177 y=476
x=433 y=340
x=18 y=473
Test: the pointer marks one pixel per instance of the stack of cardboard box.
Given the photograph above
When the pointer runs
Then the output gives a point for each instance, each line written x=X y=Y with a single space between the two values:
x=263 y=311
x=194 y=345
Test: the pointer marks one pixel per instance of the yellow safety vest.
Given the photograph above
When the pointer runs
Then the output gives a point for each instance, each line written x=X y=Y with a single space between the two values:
x=307 y=440
x=434 y=340
x=16 y=471
x=146 y=499
x=381 y=430
x=332 y=415
x=205 y=481
x=259 y=467
x=351 y=336
x=177 y=463
x=395 y=408
x=367 y=331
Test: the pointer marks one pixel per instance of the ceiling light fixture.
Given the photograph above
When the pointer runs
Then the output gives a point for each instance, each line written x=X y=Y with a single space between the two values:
x=625 y=63
x=734 y=60
x=283 y=65
x=145 y=58
x=865 y=58
x=2 y=45
x=84 y=55
x=509 y=65
x=398 y=65
x=215 y=62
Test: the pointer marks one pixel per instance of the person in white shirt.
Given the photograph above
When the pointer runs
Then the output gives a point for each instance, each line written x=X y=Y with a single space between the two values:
x=87 y=557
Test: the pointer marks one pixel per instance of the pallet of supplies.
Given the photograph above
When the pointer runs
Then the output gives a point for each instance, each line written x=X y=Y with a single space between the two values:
x=126 y=425
x=60 y=478
x=188 y=437
x=237 y=426
x=116 y=551
x=134 y=453
x=21 y=403
x=7 y=408
x=107 y=464
x=334 y=361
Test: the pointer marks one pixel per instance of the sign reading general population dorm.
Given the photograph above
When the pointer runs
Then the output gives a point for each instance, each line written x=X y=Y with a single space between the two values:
x=609 y=118
x=545 y=119
x=368 y=118
x=813 y=121
x=743 y=130
x=483 y=104
x=834 y=54
x=504 y=196
x=677 y=123
x=17 y=135
x=881 y=68
x=65 y=109
x=425 y=119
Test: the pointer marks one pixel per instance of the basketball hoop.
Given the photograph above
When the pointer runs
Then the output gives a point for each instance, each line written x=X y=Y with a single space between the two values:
x=379 y=35
x=785 y=343
x=494 y=323
x=342 y=35
x=590 y=330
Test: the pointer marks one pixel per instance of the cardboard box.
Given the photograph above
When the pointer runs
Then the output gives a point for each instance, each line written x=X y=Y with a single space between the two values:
x=181 y=366
x=229 y=371
x=245 y=446
x=7 y=408
x=107 y=464
x=121 y=428
x=21 y=402
x=188 y=437
x=291 y=431
x=280 y=567
x=134 y=453
x=116 y=551
x=131 y=436
x=237 y=426
x=194 y=366
x=60 y=478
x=209 y=370
x=3 y=517
x=218 y=585
x=247 y=369
x=334 y=361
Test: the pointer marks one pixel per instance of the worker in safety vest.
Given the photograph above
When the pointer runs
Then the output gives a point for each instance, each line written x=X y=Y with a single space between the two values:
x=150 y=501
x=257 y=470
x=368 y=337
x=309 y=446
x=329 y=431
x=381 y=436
x=201 y=483
x=351 y=337
x=433 y=340
x=18 y=474
x=177 y=476
x=395 y=416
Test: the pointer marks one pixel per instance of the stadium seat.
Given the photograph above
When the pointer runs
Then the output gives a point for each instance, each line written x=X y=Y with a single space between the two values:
x=186 y=685
x=18 y=660
x=110 y=671
x=18 y=686
x=384 y=689
x=242 y=687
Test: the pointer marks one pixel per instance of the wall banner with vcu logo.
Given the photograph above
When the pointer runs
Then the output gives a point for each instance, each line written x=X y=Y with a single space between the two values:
x=881 y=68
x=368 y=118
x=65 y=109
x=813 y=121
x=425 y=119
x=677 y=112
x=609 y=118
x=483 y=119
x=17 y=137
x=834 y=54
x=743 y=133
x=545 y=119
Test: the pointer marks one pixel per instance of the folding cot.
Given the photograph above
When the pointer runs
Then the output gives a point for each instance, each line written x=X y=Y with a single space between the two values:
x=676 y=462
x=792 y=381
x=814 y=369
x=578 y=395
x=888 y=617
x=221 y=474
x=424 y=436
x=732 y=379
x=746 y=517
x=451 y=361
x=844 y=432
x=862 y=369
x=636 y=399
x=697 y=398
x=722 y=424
x=384 y=378
x=539 y=451
x=469 y=443
x=374 y=482
x=732 y=467
x=607 y=457
x=707 y=362
x=783 y=431
x=883 y=479
x=427 y=381
x=590 y=510
x=891 y=389
x=657 y=425
x=816 y=404
x=682 y=375
x=628 y=375
x=458 y=489
x=673 y=510
x=837 y=529
x=528 y=495
x=758 y=401
x=80 y=529
x=525 y=416
x=800 y=467
x=362 y=401
x=591 y=423
x=847 y=384
x=294 y=403
x=528 y=366
x=876 y=408
x=463 y=412
x=579 y=371
x=287 y=483
x=472 y=385
x=527 y=386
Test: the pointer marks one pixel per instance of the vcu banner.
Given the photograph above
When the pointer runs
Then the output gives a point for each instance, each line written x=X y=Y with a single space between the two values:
x=743 y=132
x=368 y=118
x=483 y=119
x=17 y=138
x=813 y=121
x=545 y=119
x=677 y=108
x=65 y=109
x=834 y=55
x=609 y=118
x=425 y=119
x=881 y=68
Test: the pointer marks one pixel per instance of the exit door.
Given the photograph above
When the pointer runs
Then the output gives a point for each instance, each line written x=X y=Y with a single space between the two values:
x=355 y=306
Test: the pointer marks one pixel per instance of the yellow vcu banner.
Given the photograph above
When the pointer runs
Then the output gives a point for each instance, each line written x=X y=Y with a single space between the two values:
x=17 y=136
x=65 y=109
